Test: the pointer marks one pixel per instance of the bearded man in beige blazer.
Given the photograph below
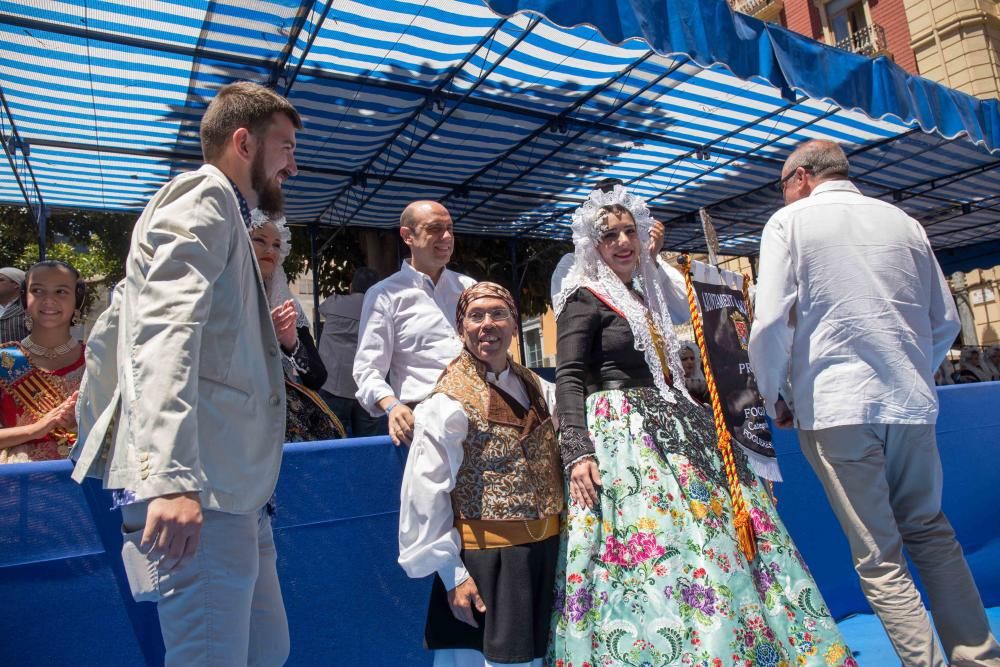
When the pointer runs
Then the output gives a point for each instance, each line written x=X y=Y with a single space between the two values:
x=183 y=402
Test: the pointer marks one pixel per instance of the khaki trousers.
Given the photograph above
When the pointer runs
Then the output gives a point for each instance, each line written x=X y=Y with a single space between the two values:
x=224 y=606
x=884 y=483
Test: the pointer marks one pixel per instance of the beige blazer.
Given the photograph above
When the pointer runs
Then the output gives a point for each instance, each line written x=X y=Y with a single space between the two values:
x=184 y=389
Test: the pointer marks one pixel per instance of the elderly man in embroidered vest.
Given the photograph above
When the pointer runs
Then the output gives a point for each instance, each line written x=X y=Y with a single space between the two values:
x=482 y=494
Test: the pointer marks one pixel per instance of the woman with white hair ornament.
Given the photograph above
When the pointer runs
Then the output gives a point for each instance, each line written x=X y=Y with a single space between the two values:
x=307 y=416
x=672 y=552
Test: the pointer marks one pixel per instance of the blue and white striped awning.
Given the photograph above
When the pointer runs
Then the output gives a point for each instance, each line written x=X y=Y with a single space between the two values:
x=497 y=111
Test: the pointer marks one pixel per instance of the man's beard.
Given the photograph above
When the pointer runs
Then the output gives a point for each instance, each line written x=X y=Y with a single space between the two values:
x=270 y=198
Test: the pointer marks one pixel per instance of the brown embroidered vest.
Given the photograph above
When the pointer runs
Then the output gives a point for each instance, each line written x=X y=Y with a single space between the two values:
x=510 y=467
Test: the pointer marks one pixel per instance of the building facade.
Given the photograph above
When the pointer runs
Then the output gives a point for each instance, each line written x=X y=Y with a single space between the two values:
x=979 y=291
x=954 y=42
x=957 y=42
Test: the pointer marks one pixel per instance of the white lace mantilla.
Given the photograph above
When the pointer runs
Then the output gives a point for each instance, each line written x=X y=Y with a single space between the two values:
x=590 y=271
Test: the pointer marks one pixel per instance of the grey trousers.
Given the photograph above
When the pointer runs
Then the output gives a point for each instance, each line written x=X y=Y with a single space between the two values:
x=224 y=606
x=884 y=483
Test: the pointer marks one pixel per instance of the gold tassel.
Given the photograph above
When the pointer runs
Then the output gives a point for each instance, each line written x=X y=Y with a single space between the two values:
x=745 y=535
x=741 y=518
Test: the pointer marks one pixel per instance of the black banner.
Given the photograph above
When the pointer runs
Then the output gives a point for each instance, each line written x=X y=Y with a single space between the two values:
x=726 y=327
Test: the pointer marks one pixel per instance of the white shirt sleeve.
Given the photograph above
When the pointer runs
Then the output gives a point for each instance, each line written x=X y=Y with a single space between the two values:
x=376 y=338
x=559 y=274
x=428 y=540
x=549 y=392
x=675 y=291
x=773 y=327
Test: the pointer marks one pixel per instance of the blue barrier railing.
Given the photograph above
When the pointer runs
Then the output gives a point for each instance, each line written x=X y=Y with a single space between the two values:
x=348 y=602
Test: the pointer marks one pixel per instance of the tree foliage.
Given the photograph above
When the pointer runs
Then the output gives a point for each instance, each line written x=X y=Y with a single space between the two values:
x=490 y=259
x=18 y=231
x=341 y=256
x=95 y=243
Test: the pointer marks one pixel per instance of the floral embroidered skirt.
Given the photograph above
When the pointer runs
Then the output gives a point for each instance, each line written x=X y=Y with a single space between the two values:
x=654 y=575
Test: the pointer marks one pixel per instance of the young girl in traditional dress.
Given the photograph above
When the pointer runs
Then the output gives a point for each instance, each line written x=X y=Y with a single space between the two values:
x=40 y=375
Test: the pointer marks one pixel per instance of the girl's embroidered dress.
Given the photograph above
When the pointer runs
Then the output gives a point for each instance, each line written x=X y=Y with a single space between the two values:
x=27 y=393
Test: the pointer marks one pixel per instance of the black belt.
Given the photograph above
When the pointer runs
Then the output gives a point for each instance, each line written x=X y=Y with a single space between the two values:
x=611 y=385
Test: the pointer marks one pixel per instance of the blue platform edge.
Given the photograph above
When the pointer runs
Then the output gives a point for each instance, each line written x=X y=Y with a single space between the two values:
x=348 y=601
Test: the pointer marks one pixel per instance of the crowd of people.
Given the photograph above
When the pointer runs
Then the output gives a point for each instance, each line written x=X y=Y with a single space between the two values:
x=975 y=364
x=596 y=521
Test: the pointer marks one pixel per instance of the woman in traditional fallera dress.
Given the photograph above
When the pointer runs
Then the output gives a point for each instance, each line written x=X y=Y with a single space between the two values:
x=307 y=417
x=40 y=375
x=652 y=569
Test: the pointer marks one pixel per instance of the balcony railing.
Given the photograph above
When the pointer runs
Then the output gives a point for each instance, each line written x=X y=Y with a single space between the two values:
x=869 y=41
x=767 y=10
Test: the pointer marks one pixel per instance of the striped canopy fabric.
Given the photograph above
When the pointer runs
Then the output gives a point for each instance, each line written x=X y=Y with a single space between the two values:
x=502 y=114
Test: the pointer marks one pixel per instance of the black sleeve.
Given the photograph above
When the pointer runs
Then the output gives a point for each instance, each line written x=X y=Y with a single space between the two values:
x=311 y=368
x=577 y=326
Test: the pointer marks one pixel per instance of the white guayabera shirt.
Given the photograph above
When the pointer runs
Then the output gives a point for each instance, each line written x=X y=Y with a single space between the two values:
x=853 y=309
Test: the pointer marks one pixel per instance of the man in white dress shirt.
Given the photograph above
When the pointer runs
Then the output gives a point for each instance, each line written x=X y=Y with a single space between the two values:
x=337 y=346
x=481 y=497
x=408 y=321
x=852 y=309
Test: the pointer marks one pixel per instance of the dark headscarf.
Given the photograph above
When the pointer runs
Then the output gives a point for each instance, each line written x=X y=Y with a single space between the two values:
x=479 y=291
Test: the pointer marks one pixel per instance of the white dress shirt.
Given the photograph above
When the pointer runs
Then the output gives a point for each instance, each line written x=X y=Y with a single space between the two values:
x=853 y=309
x=671 y=282
x=339 y=341
x=428 y=539
x=675 y=290
x=408 y=331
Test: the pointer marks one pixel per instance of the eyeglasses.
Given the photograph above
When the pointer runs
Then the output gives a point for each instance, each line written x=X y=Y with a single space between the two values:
x=780 y=185
x=496 y=314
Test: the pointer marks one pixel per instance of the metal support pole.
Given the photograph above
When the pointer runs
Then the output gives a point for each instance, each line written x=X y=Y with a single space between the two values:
x=11 y=143
x=314 y=265
x=517 y=298
x=43 y=219
x=959 y=288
